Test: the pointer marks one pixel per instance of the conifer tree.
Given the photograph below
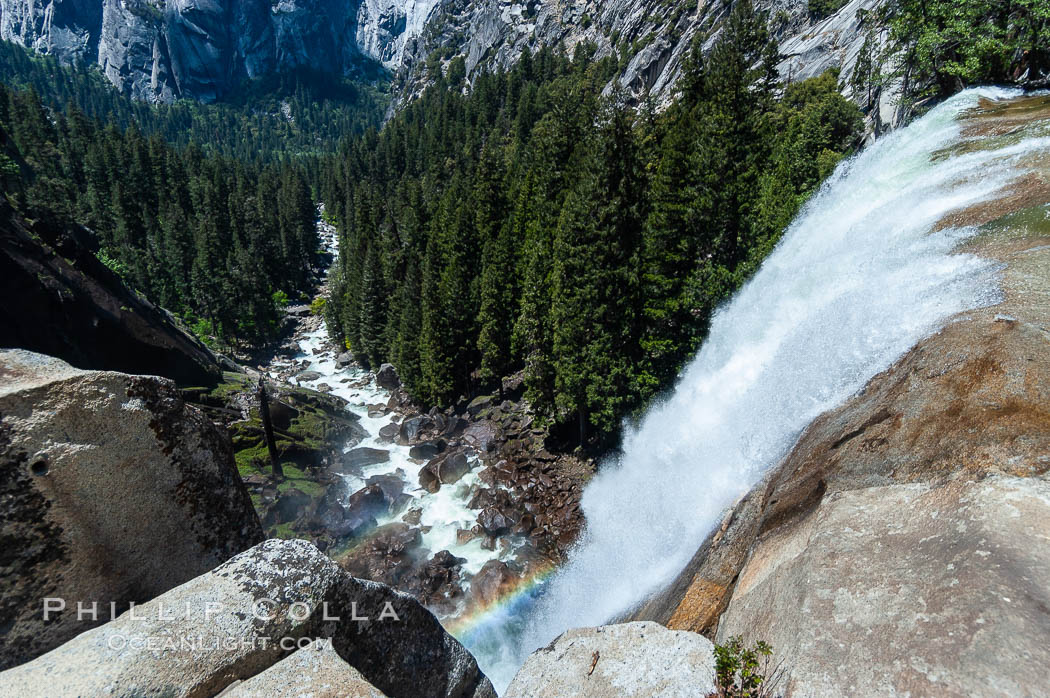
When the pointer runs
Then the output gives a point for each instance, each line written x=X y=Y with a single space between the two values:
x=498 y=291
x=373 y=308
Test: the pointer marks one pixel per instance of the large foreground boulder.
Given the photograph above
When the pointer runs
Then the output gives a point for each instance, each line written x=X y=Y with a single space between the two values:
x=316 y=671
x=944 y=590
x=114 y=490
x=619 y=661
x=258 y=608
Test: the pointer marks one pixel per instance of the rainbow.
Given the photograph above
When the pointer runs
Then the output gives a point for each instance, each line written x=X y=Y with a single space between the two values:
x=482 y=619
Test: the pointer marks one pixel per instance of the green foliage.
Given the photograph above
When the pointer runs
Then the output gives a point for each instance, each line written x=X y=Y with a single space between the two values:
x=8 y=167
x=204 y=236
x=292 y=116
x=951 y=44
x=204 y=331
x=820 y=9
x=867 y=71
x=113 y=264
x=535 y=225
x=744 y=672
x=317 y=306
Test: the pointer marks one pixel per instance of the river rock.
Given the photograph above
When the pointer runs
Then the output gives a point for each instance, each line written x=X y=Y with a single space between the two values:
x=389 y=554
x=114 y=489
x=389 y=432
x=491 y=582
x=401 y=502
x=619 y=661
x=483 y=499
x=464 y=536
x=357 y=458
x=407 y=656
x=387 y=378
x=494 y=521
x=330 y=517
x=454 y=427
x=482 y=435
x=426 y=451
x=367 y=502
x=308 y=376
x=438 y=580
x=450 y=468
x=428 y=479
x=391 y=485
x=343 y=360
x=412 y=426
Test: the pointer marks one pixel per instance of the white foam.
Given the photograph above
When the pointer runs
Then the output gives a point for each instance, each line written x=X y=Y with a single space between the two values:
x=856 y=281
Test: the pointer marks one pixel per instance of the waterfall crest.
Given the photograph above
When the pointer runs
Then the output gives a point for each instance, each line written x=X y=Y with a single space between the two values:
x=863 y=273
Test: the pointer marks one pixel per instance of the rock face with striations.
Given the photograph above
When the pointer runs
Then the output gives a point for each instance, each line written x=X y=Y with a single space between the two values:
x=277 y=597
x=161 y=50
x=114 y=490
x=898 y=549
x=654 y=36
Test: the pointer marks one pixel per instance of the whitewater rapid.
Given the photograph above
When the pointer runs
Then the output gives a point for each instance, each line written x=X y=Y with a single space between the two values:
x=859 y=277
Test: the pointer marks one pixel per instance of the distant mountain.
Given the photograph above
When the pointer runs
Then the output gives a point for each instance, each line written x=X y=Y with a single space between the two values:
x=162 y=50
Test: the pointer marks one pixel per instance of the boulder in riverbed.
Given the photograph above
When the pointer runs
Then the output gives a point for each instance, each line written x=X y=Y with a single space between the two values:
x=386 y=377
x=494 y=521
x=491 y=582
x=391 y=485
x=428 y=479
x=389 y=432
x=427 y=450
x=482 y=436
x=412 y=426
x=368 y=501
x=358 y=458
x=453 y=467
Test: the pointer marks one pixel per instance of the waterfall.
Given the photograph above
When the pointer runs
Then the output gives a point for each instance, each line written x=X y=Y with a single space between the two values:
x=861 y=275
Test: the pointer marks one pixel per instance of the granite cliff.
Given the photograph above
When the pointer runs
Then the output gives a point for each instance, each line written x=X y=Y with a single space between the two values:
x=162 y=50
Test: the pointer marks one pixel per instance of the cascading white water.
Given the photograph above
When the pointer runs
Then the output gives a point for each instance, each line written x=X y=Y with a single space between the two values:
x=856 y=281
